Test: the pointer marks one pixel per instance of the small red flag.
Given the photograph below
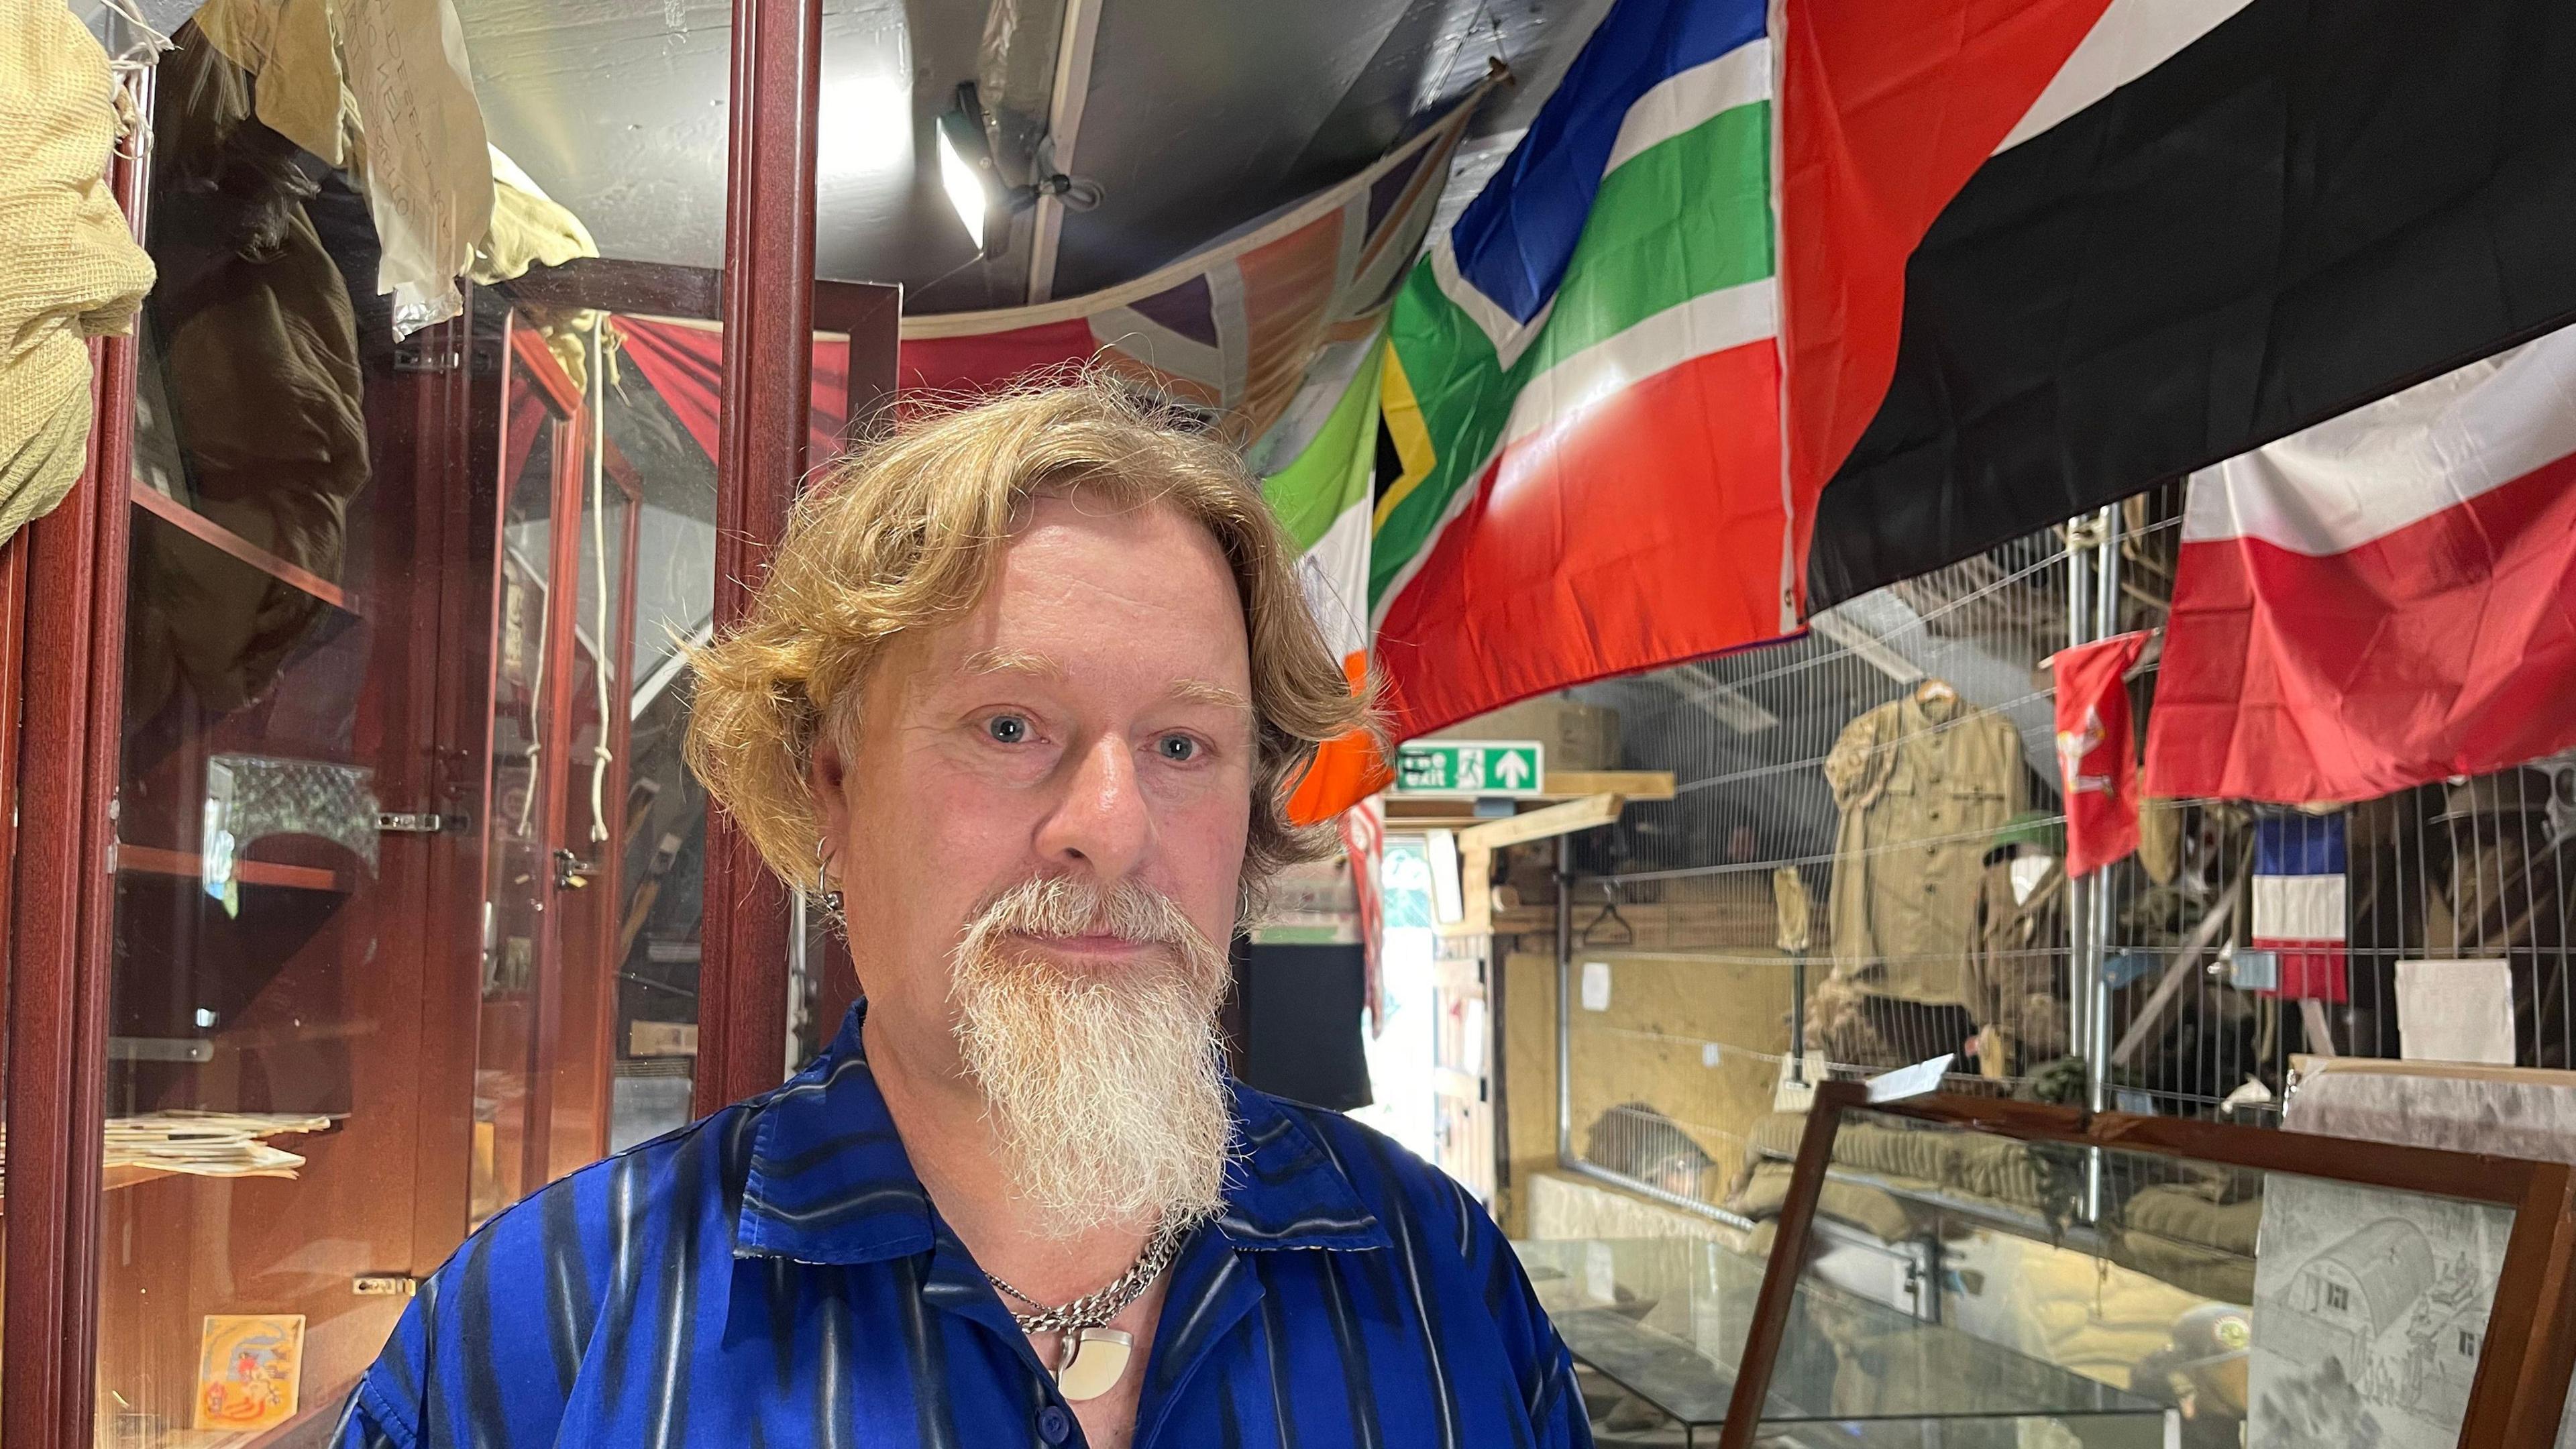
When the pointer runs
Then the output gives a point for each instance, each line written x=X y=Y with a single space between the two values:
x=2096 y=755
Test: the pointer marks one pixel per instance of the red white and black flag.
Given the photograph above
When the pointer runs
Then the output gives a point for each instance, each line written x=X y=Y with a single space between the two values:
x=2037 y=256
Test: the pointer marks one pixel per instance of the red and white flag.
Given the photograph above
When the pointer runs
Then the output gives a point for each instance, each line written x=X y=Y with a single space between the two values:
x=2382 y=600
x=1363 y=832
x=2097 y=755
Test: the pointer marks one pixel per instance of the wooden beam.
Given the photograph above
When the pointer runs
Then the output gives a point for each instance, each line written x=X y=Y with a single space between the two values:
x=1633 y=784
x=1564 y=819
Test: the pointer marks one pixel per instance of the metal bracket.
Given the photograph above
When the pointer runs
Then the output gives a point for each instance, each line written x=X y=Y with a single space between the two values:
x=384 y=1285
x=412 y=822
x=433 y=350
x=572 y=872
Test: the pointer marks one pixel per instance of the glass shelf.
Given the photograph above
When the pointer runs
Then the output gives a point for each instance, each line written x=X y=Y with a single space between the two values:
x=1665 y=1320
x=206 y=530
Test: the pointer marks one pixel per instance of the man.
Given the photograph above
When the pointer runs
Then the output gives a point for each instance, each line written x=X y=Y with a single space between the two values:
x=1026 y=685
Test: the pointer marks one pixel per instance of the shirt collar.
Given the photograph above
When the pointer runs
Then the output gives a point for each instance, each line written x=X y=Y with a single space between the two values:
x=830 y=1181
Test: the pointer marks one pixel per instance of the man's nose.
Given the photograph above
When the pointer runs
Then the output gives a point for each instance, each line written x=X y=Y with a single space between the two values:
x=1101 y=819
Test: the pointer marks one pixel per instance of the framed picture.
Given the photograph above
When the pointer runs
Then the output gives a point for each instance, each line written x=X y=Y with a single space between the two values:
x=249 y=1368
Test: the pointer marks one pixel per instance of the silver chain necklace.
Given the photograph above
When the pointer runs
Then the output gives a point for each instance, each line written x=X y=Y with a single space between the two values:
x=1094 y=1310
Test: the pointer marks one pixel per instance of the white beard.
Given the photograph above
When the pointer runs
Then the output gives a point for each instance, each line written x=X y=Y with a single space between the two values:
x=1107 y=1090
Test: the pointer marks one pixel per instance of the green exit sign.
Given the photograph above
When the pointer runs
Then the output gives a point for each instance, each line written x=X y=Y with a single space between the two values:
x=1469 y=767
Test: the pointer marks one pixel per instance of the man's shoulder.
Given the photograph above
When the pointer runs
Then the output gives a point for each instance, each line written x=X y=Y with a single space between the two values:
x=639 y=1192
x=570 y=1246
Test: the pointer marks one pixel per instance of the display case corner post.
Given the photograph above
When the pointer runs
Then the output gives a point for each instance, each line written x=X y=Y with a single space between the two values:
x=768 y=299
x=61 y=909
x=1788 y=1259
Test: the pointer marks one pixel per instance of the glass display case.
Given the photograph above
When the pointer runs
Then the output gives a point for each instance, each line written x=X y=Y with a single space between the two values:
x=1658 y=1328
x=2264 y=1287
x=407 y=875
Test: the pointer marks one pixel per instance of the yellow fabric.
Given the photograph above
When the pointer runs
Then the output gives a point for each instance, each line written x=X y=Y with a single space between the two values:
x=2160 y=839
x=1882 y=1215
x=2184 y=1235
x=1923 y=785
x=529 y=228
x=532 y=229
x=291 y=46
x=324 y=66
x=69 y=268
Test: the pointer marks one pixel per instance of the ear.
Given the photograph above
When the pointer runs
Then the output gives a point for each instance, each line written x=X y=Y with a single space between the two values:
x=828 y=778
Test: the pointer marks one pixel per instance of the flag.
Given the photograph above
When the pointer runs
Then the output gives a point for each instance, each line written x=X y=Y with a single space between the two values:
x=1321 y=494
x=2299 y=903
x=2043 y=254
x=1237 y=328
x=1253 y=330
x=1581 y=393
x=2097 y=756
x=2383 y=600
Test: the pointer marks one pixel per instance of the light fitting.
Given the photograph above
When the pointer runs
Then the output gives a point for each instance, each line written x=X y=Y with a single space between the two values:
x=985 y=203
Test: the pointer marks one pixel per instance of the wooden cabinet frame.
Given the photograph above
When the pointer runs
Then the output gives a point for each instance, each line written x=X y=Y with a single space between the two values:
x=2530 y=1346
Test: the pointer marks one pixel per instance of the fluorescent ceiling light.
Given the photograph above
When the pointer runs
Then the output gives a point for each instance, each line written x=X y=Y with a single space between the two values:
x=965 y=188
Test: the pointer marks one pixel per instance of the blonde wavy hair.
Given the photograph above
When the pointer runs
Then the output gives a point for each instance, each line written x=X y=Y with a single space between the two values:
x=905 y=533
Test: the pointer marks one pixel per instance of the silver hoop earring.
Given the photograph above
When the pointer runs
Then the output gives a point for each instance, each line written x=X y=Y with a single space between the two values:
x=824 y=896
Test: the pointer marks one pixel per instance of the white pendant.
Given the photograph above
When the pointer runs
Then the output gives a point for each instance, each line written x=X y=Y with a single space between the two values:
x=1094 y=1360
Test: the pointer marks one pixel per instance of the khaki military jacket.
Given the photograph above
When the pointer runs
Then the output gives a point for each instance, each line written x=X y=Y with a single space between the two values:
x=1923 y=787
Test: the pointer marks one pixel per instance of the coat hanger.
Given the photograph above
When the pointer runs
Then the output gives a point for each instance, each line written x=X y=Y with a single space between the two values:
x=1609 y=915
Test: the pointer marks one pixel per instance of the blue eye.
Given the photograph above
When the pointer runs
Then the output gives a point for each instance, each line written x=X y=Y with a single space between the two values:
x=1008 y=729
x=1179 y=749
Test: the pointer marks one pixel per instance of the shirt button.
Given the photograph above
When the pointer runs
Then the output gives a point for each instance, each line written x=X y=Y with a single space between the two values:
x=1054 y=1424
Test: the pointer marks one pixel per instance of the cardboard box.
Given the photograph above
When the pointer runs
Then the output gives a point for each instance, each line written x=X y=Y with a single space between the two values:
x=1577 y=736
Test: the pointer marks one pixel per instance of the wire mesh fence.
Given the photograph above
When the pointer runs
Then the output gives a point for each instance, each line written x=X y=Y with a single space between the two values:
x=1861 y=868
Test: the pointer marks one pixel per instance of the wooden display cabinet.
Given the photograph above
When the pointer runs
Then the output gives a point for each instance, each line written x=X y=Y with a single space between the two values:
x=385 y=884
x=304 y=737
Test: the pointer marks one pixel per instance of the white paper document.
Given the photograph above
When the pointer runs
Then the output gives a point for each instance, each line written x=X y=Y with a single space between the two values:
x=2455 y=1011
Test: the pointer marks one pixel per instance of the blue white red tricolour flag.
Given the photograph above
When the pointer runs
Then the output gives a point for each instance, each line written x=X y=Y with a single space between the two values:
x=2299 y=903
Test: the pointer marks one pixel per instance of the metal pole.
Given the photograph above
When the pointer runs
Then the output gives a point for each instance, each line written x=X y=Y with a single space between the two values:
x=2083 y=963
x=1798 y=1015
x=1564 y=1000
x=2106 y=622
x=2080 y=968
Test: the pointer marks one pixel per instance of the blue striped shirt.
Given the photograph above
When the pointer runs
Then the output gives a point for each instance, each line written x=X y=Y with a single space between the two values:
x=775 y=1275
